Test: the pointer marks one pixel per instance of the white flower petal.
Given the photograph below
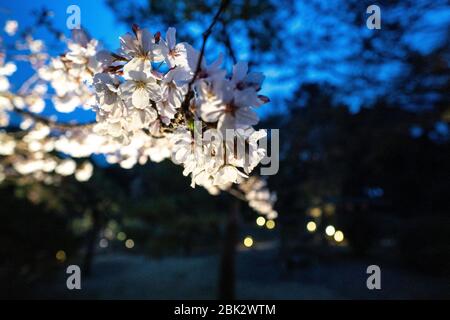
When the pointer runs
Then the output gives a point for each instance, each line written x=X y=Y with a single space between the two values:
x=140 y=98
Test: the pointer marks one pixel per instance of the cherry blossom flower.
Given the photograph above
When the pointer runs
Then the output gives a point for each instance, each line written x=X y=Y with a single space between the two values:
x=141 y=88
x=220 y=103
x=148 y=106
x=140 y=49
x=11 y=27
x=180 y=55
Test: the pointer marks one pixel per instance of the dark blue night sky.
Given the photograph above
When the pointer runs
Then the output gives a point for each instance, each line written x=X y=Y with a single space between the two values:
x=333 y=63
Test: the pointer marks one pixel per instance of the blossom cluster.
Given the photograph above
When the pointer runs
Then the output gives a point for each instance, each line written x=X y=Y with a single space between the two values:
x=71 y=74
x=32 y=156
x=154 y=99
x=259 y=197
x=158 y=87
x=36 y=150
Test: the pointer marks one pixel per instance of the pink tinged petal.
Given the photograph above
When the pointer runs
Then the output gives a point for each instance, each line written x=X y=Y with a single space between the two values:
x=246 y=117
x=239 y=71
x=192 y=56
x=116 y=111
x=152 y=114
x=154 y=128
x=216 y=64
x=166 y=111
x=170 y=37
x=211 y=112
x=255 y=79
x=137 y=120
x=157 y=75
x=145 y=39
x=154 y=91
x=158 y=52
x=175 y=98
x=226 y=91
x=140 y=98
x=140 y=65
x=164 y=120
x=229 y=173
x=179 y=74
x=226 y=121
x=245 y=98
x=127 y=44
x=179 y=56
x=127 y=87
x=104 y=58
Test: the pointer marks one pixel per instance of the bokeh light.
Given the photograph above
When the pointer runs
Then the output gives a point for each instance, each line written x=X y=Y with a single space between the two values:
x=315 y=212
x=61 y=256
x=260 y=221
x=311 y=226
x=103 y=243
x=330 y=230
x=121 y=236
x=129 y=243
x=270 y=224
x=248 y=241
x=339 y=236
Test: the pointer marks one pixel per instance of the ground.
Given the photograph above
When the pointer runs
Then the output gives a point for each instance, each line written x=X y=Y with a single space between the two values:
x=260 y=275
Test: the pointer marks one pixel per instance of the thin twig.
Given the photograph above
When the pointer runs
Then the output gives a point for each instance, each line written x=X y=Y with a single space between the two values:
x=227 y=41
x=50 y=122
x=28 y=83
x=235 y=193
x=206 y=34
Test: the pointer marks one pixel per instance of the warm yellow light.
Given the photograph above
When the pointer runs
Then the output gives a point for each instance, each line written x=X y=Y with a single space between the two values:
x=311 y=226
x=121 y=236
x=330 y=230
x=248 y=242
x=270 y=224
x=339 y=236
x=129 y=243
x=260 y=221
x=329 y=209
x=109 y=234
x=61 y=256
x=315 y=212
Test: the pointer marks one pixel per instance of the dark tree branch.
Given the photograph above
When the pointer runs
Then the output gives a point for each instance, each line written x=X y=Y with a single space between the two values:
x=227 y=41
x=227 y=271
x=206 y=34
x=237 y=194
x=50 y=122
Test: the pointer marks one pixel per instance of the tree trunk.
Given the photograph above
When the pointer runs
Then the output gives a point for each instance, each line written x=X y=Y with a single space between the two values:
x=227 y=264
x=91 y=241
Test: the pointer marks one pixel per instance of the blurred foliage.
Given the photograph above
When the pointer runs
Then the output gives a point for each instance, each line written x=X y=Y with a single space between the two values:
x=165 y=215
x=369 y=165
x=327 y=42
x=249 y=21
x=425 y=245
x=30 y=236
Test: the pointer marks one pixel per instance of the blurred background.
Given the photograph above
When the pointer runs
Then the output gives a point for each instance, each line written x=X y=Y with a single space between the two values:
x=364 y=163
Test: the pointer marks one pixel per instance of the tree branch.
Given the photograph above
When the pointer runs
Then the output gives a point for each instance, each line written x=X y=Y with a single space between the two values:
x=50 y=122
x=235 y=193
x=206 y=34
x=227 y=41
